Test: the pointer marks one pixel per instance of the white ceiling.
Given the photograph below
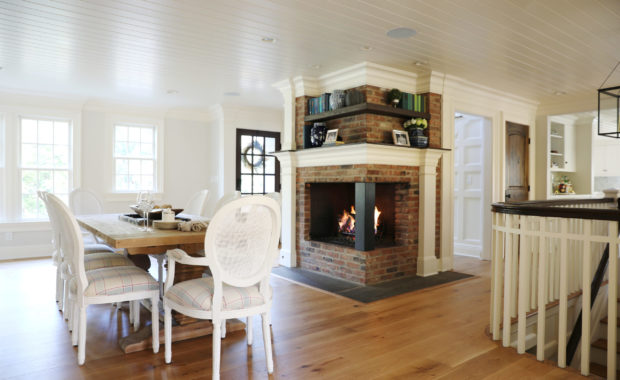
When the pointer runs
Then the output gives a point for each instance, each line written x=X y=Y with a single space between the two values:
x=134 y=51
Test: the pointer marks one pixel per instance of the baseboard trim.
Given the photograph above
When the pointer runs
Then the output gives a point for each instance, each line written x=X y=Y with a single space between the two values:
x=25 y=252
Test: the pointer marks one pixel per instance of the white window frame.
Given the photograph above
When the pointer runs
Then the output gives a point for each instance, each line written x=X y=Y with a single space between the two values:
x=10 y=213
x=133 y=121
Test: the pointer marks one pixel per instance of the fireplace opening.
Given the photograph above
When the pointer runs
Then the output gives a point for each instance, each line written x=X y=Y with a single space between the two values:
x=359 y=215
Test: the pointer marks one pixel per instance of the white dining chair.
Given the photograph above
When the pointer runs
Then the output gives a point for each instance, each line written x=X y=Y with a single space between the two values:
x=239 y=245
x=99 y=255
x=85 y=202
x=103 y=285
x=197 y=204
x=226 y=198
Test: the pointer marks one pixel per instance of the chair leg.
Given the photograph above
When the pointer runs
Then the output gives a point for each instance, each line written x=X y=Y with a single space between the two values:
x=160 y=272
x=155 y=323
x=136 y=315
x=223 y=327
x=74 y=321
x=249 y=330
x=167 y=334
x=65 y=297
x=217 y=345
x=59 y=287
x=267 y=341
x=82 y=335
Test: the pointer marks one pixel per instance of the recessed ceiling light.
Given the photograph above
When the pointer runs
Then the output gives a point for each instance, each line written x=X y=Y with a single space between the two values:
x=366 y=48
x=401 y=33
x=419 y=63
x=559 y=93
x=268 y=39
x=316 y=66
x=172 y=92
x=232 y=93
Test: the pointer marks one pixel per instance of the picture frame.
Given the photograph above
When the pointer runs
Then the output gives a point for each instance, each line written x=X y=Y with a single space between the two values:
x=331 y=137
x=401 y=138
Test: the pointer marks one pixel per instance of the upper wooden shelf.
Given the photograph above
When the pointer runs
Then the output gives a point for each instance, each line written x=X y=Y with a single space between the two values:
x=372 y=108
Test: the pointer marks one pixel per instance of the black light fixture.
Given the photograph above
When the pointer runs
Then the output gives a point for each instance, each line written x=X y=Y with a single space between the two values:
x=609 y=109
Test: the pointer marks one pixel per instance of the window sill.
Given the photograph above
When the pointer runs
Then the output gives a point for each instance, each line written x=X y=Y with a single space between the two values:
x=129 y=197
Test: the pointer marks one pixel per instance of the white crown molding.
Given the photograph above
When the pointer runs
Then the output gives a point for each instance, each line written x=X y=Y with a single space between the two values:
x=112 y=107
x=306 y=86
x=568 y=104
x=360 y=154
x=432 y=81
x=190 y=114
x=459 y=86
x=20 y=100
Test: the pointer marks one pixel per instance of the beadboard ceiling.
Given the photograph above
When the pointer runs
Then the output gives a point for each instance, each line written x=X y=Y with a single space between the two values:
x=135 y=51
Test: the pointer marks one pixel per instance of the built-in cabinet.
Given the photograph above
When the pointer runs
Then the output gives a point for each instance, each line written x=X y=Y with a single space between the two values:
x=561 y=147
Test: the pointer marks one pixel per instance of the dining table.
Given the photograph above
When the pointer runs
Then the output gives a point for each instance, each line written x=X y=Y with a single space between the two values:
x=137 y=244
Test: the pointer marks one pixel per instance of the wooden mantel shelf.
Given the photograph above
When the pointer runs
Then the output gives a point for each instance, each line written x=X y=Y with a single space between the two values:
x=371 y=108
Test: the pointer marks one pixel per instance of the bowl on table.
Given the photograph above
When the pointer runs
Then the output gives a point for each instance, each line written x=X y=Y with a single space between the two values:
x=155 y=213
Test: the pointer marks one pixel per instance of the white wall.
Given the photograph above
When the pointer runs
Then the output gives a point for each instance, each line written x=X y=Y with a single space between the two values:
x=199 y=152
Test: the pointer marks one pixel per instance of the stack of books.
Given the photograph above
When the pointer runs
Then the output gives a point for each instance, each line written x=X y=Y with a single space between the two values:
x=414 y=102
x=319 y=104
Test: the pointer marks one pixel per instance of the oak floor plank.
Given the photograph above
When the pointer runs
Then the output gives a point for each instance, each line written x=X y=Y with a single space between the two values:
x=435 y=333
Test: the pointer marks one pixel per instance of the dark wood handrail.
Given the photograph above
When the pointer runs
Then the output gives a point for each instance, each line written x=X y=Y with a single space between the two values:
x=553 y=208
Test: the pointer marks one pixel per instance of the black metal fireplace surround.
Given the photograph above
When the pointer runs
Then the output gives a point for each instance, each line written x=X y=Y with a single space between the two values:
x=329 y=201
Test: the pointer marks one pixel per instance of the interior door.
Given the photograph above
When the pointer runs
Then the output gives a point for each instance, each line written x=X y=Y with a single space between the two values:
x=517 y=144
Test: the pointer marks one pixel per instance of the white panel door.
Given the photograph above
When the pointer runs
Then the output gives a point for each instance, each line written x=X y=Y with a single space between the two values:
x=468 y=186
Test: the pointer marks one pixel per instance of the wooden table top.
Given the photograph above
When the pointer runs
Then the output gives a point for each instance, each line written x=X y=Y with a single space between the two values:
x=120 y=234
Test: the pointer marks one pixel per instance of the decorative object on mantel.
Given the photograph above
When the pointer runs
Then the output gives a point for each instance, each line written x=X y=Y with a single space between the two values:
x=416 y=127
x=307 y=133
x=337 y=99
x=353 y=97
x=400 y=137
x=393 y=97
x=317 y=134
x=609 y=109
x=331 y=137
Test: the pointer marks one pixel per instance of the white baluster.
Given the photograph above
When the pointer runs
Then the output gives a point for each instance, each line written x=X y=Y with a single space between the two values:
x=612 y=300
x=563 y=310
x=507 y=283
x=498 y=264
x=524 y=282
x=542 y=292
x=585 y=301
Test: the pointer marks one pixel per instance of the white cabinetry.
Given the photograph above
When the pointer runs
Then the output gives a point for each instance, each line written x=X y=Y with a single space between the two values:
x=605 y=160
x=561 y=147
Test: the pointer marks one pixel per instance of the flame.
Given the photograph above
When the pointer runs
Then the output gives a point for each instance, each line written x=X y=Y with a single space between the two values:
x=346 y=222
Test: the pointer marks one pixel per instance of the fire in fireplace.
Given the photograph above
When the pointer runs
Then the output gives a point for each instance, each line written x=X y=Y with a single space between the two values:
x=346 y=221
x=353 y=214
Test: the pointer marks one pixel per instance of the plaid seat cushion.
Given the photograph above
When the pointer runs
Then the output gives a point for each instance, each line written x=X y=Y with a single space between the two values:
x=117 y=280
x=105 y=260
x=92 y=248
x=198 y=293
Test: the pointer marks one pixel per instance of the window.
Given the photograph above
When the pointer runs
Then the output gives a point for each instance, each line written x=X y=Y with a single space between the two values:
x=135 y=157
x=258 y=171
x=45 y=162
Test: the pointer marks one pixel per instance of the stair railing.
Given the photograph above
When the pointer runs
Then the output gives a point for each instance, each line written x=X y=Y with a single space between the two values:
x=544 y=251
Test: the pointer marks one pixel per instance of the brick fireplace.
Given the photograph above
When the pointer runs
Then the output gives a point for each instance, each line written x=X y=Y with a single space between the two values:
x=367 y=157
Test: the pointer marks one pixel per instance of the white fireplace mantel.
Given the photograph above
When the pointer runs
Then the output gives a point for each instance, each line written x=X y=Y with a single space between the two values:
x=363 y=154
x=358 y=154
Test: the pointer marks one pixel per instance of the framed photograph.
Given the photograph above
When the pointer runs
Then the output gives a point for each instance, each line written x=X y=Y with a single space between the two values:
x=400 y=137
x=331 y=137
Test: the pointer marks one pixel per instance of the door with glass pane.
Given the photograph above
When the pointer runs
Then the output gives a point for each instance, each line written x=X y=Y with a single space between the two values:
x=258 y=170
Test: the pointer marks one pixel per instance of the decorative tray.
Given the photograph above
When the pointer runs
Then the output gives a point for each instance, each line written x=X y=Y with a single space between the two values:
x=139 y=221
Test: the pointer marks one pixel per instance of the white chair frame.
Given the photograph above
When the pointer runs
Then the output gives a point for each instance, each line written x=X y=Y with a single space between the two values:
x=220 y=277
x=73 y=248
x=197 y=204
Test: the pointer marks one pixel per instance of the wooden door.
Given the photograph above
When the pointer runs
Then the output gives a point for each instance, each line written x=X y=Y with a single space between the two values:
x=517 y=144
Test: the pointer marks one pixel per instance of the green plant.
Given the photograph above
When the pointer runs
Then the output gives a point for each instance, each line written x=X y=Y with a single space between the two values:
x=393 y=94
x=415 y=123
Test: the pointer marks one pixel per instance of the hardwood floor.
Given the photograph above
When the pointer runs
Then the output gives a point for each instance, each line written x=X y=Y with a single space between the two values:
x=434 y=333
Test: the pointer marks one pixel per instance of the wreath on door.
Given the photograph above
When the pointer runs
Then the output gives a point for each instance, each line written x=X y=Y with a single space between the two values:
x=247 y=160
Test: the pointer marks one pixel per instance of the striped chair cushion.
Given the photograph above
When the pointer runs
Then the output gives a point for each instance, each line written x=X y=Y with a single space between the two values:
x=197 y=294
x=117 y=280
x=105 y=260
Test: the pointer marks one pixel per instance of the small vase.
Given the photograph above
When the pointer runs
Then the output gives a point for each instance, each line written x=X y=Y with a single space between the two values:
x=317 y=134
x=417 y=138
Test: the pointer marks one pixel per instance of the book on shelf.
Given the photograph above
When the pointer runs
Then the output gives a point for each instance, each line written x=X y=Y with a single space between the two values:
x=319 y=104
